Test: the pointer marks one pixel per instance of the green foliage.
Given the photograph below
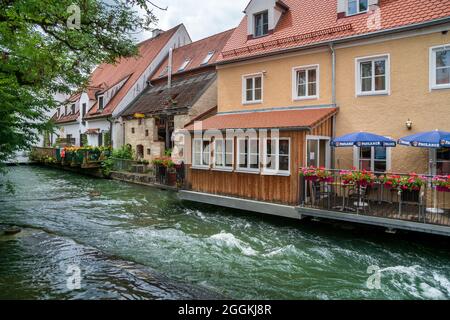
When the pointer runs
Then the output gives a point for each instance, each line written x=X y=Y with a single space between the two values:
x=125 y=153
x=168 y=153
x=41 y=54
x=107 y=166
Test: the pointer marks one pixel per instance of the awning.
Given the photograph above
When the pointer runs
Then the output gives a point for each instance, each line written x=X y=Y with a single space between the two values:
x=92 y=131
x=279 y=119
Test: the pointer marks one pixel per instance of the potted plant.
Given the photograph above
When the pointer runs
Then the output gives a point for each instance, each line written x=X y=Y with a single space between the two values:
x=362 y=178
x=410 y=187
x=442 y=183
x=316 y=174
x=390 y=182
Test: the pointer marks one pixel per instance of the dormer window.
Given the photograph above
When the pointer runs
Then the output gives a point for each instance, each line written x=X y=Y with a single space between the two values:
x=101 y=102
x=357 y=7
x=261 y=24
x=184 y=65
x=208 y=57
x=72 y=108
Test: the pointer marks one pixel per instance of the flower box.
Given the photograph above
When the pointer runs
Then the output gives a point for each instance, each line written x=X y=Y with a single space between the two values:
x=442 y=189
x=314 y=174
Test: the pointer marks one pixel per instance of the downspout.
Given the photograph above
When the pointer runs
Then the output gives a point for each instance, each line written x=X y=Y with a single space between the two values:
x=333 y=101
x=110 y=131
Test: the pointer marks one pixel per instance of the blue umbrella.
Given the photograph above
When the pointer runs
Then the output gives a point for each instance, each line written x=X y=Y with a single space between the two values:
x=446 y=142
x=363 y=139
x=431 y=139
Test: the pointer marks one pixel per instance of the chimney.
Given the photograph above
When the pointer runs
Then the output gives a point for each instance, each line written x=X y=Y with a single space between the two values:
x=156 y=32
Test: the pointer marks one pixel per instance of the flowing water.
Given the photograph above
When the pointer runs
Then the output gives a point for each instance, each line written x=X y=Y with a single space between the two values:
x=133 y=242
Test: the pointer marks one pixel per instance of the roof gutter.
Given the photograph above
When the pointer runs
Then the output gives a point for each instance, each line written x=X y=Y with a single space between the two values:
x=344 y=40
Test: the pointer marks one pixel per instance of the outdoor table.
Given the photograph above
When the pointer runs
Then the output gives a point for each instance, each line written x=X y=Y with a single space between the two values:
x=344 y=187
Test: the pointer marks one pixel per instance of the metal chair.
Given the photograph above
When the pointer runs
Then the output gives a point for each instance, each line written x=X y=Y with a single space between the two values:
x=321 y=191
x=359 y=196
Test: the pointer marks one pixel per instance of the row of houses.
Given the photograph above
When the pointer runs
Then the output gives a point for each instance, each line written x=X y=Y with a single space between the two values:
x=294 y=73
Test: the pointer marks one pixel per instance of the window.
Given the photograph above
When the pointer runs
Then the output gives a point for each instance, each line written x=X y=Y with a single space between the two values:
x=201 y=153
x=184 y=65
x=101 y=102
x=100 y=139
x=65 y=110
x=443 y=161
x=223 y=154
x=248 y=155
x=261 y=24
x=146 y=133
x=252 y=89
x=374 y=159
x=357 y=6
x=277 y=156
x=440 y=67
x=208 y=57
x=149 y=152
x=372 y=75
x=83 y=109
x=306 y=82
x=72 y=108
x=133 y=130
x=139 y=122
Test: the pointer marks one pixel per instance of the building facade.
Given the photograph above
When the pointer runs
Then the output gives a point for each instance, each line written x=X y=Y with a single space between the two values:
x=314 y=70
x=88 y=116
x=183 y=88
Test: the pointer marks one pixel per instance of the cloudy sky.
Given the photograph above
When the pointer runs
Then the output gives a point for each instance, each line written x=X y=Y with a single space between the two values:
x=202 y=18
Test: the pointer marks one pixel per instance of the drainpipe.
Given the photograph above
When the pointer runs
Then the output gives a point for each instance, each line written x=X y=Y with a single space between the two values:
x=110 y=131
x=333 y=101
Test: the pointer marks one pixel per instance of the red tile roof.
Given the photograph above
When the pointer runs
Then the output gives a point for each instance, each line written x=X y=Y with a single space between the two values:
x=196 y=53
x=282 y=119
x=108 y=75
x=308 y=22
x=66 y=118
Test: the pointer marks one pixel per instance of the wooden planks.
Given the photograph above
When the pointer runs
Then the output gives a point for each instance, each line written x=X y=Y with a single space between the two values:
x=276 y=189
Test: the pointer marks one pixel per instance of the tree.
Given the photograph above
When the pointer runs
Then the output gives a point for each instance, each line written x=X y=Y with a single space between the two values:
x=51 y=46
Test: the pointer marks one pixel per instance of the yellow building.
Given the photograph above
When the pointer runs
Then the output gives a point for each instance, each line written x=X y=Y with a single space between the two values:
x=315 y=70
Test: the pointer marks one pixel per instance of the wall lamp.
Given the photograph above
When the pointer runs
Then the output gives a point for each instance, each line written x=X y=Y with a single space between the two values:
x=409 y=124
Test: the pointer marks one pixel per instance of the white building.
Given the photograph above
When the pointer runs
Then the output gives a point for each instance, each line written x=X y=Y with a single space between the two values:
x=87 y=118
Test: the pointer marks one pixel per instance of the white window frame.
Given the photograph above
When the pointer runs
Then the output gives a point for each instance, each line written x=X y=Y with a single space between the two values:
x=276 y=171
x=295 y=70
x=262 y=26
x=358 y=82
x=248 y=169
x=319 y=155
x=102 y=96
x=184 y=65
x=348 y=14
x=224 y=153
x=244 y=88
x=202 y=151
x=357 y=158
x=433 y=84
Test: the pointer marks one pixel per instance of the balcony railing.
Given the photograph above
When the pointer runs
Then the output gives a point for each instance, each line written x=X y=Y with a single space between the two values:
x=381 y=196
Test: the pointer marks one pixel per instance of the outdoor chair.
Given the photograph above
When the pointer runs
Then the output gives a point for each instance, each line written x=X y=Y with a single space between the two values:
x=358 y=198
x=320 y=192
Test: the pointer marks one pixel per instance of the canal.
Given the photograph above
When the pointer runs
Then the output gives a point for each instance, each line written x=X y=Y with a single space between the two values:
x=133 y=242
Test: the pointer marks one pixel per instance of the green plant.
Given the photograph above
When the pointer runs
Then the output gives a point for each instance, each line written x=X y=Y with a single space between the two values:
x=125 y=153
x=168 y=152
x=107 y=166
